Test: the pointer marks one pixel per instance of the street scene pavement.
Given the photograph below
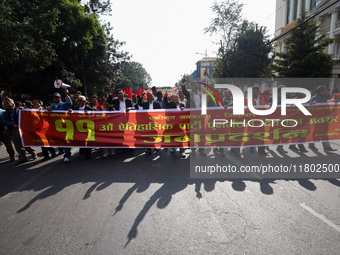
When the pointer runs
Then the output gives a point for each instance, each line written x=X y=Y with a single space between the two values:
x=142 y=204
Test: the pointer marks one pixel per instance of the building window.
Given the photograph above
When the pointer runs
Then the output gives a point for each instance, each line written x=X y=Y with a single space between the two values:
x=312 y=4
x=295 y=9
x=286 y=46
x=288 y=11
x=303 y=4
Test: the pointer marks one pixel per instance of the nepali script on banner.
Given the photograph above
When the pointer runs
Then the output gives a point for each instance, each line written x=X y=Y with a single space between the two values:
x=175 y=128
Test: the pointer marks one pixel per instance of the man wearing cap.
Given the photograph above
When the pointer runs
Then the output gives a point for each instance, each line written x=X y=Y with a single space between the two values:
x=63 y=106
x=58 y=104
x=75 y=97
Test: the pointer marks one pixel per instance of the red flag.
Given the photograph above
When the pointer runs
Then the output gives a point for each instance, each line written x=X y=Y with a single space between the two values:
x=129 y=92
x=126 y=91
x=149 y=89
x=143 y=91
x=175 y=88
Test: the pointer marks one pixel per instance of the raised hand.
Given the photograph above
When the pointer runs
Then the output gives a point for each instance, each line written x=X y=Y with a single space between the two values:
x=184 y=79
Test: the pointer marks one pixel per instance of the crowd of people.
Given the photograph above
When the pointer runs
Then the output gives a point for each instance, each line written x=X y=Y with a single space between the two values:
x=116 y=100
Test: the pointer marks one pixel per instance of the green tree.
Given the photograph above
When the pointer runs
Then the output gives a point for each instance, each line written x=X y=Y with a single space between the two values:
x=133 y=74
x=255 y=65
x=48 y=39
x=305 y=56
x=227 y=21
x=24 y=43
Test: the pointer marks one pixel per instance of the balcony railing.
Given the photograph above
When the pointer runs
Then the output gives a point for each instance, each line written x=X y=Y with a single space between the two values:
x=325 y=29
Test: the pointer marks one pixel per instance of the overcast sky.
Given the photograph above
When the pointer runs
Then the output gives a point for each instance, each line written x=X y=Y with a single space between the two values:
x=163 y=35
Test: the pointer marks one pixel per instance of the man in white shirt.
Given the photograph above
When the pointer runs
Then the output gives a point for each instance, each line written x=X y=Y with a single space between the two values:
x=182 y=100
x=193 y=96
x=154 y=93
x=149 y=104
x=193 y=101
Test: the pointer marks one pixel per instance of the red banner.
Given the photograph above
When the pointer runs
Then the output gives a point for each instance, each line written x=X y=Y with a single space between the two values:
x=175 y=128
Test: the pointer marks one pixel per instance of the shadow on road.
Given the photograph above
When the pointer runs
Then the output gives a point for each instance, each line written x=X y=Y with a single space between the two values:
x=162 y=168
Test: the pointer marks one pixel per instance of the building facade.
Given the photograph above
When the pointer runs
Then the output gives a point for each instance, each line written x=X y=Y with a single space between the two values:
x=204 y=68
x=288 y=11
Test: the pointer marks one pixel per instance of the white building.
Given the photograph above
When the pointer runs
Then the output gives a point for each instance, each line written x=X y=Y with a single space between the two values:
x=288 y=11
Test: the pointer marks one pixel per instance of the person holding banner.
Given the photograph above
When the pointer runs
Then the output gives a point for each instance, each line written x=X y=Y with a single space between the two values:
x=121 y=104
x=10 y=119
x=5 y=138
x=320 y=97
x=301 y=148
x=94 y=104
x=75 y=97
x=81 y=106
x=37 y=104
x=174 y=104
x=193 y=101
x=63 y=106
x=270 y=102
x=160 y=99
x=135 y=102
x=149 y=104
x=182 y=99
x=257 y=100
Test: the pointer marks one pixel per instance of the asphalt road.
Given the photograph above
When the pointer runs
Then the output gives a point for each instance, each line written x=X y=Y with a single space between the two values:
x=150 y=205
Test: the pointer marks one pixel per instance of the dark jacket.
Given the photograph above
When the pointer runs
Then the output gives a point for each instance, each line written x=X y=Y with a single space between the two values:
x=319 y=99
x=76 y=107
x=116 y=103
x=190 y=97
x=6 y=119
x=171 y=104
x=145 y=104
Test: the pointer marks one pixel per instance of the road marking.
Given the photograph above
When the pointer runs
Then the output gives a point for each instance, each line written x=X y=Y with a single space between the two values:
x=320 y=216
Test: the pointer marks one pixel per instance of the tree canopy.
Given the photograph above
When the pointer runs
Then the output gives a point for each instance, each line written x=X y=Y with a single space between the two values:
x=134 y=75
x=47 y=39
x=305 y=56
x=226 y=22
x=248 y=39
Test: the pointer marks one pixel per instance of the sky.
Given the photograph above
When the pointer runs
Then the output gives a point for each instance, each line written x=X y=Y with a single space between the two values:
x=165 y=35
